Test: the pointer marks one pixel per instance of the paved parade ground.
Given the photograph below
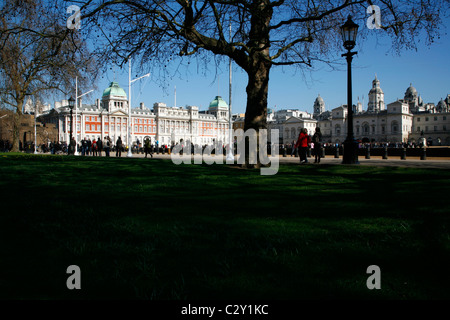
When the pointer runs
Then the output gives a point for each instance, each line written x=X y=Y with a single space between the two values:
x=412 y=162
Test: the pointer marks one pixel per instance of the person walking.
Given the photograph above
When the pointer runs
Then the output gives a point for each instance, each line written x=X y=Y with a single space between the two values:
x=72 y=146
x=89 y=146
x=107 y=146
x=317 y=140
x=119 y=146
x=147 y=147
x=84 y=146
x=94 y=148
x=293 y=148
x=302 y=144
x=99 y=146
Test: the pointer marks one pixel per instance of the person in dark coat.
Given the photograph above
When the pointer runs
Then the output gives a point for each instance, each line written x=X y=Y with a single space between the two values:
x=317 y=140
x=148 y=147
x=119 y=146
x=72 y=146
x=99 y=146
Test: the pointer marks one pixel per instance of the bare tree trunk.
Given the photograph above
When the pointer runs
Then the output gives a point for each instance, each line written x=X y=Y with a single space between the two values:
x=256 y=111
x=17 y=117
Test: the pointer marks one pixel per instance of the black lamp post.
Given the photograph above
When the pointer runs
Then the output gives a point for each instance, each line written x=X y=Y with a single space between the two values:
x=349 y=31
x=71 y=105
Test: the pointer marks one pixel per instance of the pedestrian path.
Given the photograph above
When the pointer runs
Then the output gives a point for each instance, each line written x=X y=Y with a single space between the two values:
x=440 y=163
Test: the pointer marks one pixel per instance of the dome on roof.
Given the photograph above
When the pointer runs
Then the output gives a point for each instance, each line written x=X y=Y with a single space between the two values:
x=441 y=105
x=319 y=100
x=218 y=102
x=114 y=90
x=376 y=90
x=411 y=91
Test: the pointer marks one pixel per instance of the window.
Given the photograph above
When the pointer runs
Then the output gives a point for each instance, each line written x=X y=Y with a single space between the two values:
x=435 y=118
x=444 y=118
x=426 y=119
x=365 y=128
x=435 y=128
x=88 y=127
x=394 y=126
x=418 y=129
x=418 y=119
x=338 y=130
x=444 y=127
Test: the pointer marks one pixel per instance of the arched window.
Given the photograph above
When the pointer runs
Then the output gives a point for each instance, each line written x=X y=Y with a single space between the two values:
x=293 y=135
x=337 y=129
x=365 y=128
x=394 y=126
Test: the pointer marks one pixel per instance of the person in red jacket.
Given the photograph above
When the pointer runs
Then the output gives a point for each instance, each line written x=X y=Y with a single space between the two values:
x=303 y=143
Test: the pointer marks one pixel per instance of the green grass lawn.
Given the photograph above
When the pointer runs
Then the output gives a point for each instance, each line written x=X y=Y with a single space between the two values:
x=148 y=229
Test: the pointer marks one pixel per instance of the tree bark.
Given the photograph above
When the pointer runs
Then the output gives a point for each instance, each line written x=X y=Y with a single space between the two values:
x=256 y=111
x=258 y=69
x=17 y=117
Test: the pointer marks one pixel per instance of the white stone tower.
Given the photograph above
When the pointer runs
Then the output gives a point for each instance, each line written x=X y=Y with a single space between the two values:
x=376 y=97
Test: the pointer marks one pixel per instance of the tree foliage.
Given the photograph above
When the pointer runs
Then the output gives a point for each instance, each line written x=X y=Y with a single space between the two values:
x=39 y=55
x=264 y=33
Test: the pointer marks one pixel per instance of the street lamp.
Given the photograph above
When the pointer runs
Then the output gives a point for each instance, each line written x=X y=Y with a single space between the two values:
x=71 y=105
x=349 y=31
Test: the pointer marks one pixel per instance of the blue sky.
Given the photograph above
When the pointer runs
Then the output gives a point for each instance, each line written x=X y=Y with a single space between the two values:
x=427 y=69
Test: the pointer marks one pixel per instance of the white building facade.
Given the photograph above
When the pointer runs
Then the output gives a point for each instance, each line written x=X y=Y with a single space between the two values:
x=164 y=125
x=408 y=120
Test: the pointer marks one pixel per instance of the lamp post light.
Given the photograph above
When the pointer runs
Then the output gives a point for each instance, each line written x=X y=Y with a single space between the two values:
x=349 y=31
x=71 y=105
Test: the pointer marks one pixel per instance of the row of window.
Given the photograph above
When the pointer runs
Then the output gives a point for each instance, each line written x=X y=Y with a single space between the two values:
x=143 y=121
x=435 y=128
x=434 y=118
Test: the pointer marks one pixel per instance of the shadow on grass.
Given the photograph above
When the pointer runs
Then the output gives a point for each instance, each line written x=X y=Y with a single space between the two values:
x=148 y=229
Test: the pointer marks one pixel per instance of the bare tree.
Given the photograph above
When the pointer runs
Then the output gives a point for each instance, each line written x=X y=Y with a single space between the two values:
x=265 y=33
x=38 y=55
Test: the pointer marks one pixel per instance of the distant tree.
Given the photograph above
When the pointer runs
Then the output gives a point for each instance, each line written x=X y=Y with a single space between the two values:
x=39 y=55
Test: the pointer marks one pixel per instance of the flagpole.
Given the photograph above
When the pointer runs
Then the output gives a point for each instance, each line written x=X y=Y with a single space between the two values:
x=230 y=153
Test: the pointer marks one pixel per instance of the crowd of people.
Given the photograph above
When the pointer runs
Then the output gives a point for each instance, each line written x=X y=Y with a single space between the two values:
x=5 y=146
